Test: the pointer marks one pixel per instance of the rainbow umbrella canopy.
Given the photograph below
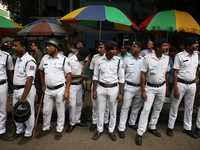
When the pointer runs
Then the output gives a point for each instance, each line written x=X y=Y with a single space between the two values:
x=8 y=28
x=171 y=20
x=100 y=17
x=46 y=27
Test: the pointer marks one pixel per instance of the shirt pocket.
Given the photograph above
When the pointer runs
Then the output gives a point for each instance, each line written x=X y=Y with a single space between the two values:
x=2 y=66
x=114 y=69
x=153 y=70
x=21 y=72
x=58 y=67
x=186 y=64
x=130 y=68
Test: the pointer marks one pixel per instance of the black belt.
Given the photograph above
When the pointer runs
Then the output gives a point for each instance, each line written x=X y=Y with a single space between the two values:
x=17 y=87
x=2 y=82
x=76 y=83
x=155 y=85
x=129 y=83
x=56 y=87
x=107 y=85
x=186 y=82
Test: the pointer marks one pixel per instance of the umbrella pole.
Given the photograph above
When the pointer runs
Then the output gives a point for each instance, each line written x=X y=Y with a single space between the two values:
x=167 y=34
x=100 y=30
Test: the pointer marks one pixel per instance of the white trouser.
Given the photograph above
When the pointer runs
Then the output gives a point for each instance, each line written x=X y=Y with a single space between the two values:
x=95 y=113
x=49 y=98
x=3 y=106
x=132 y=95
x=29 y=124
x=188 y=92
x=104 y=96
x=75 y=104
x=155 y=97
x=198 y=119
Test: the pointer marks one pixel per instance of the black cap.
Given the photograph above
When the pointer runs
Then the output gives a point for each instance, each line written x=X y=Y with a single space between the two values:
x=83 y=51
x=190 y=40
x=110 y=45
x=101 y=42
x=137 y=43
x=160 y=41
x=173 y=49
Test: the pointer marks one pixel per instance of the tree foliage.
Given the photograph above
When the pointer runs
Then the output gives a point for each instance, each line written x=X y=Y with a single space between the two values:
x=190 y=6
x=21 y=11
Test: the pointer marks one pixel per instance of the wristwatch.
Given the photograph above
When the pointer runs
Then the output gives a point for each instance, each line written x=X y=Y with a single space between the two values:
x=121 y=92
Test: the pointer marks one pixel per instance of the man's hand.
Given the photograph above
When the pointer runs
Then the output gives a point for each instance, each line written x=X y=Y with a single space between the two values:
x=22 y=100
x=66 y=95
x=120 y=97
x=85 y=77
x=176 y=93
x=144 y=95
x=94 y=95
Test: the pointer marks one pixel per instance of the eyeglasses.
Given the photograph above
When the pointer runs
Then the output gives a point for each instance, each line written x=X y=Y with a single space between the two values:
x=134 y=46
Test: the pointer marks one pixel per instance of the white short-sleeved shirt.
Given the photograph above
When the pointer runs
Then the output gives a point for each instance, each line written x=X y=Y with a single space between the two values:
x=186 y=65
x=132 y=68
x=76 y=67
x=155 y=68
x=24 y=67
x=94 y=60
x=5 y=63
x=55 y=69
x=108 y=71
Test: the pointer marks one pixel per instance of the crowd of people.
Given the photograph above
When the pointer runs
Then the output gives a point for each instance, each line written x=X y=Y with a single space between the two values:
x=140 y=79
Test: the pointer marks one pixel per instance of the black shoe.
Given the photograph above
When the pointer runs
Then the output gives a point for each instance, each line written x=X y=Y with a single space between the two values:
x=169 y=132
x=4 y=137
x=112 y=136
x=106 y=126
x=15 y=136
x=190 y=133
x=197 y=132
x=70 y=128
x=134 y=127
x=93 y=127
x=138 y=139
x=81 y=124
x=42 y=134
x=24 y=140
x=121 y=134
x=97 y=135
x=154 y=132
x=58 y=135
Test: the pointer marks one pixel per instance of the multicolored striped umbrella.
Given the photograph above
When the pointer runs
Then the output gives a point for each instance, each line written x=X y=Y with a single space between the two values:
x=44 y=27
x=171 y=20
x=100 y=17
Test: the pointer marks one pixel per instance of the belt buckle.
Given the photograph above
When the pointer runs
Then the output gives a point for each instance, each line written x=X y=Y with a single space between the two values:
x=107 y=85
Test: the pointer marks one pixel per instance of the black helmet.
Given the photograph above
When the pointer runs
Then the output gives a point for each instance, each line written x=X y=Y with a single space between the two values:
x=54 y=42
x=21 y=112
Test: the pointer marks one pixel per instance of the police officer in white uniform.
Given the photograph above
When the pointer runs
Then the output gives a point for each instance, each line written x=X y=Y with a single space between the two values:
x=5 y=64
x=55 y=74
x=154 y=78
x=24 y=74
x=77 y=63
x=132 y=89
x=109 y=74
x=101 y=53
x=185 y=77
